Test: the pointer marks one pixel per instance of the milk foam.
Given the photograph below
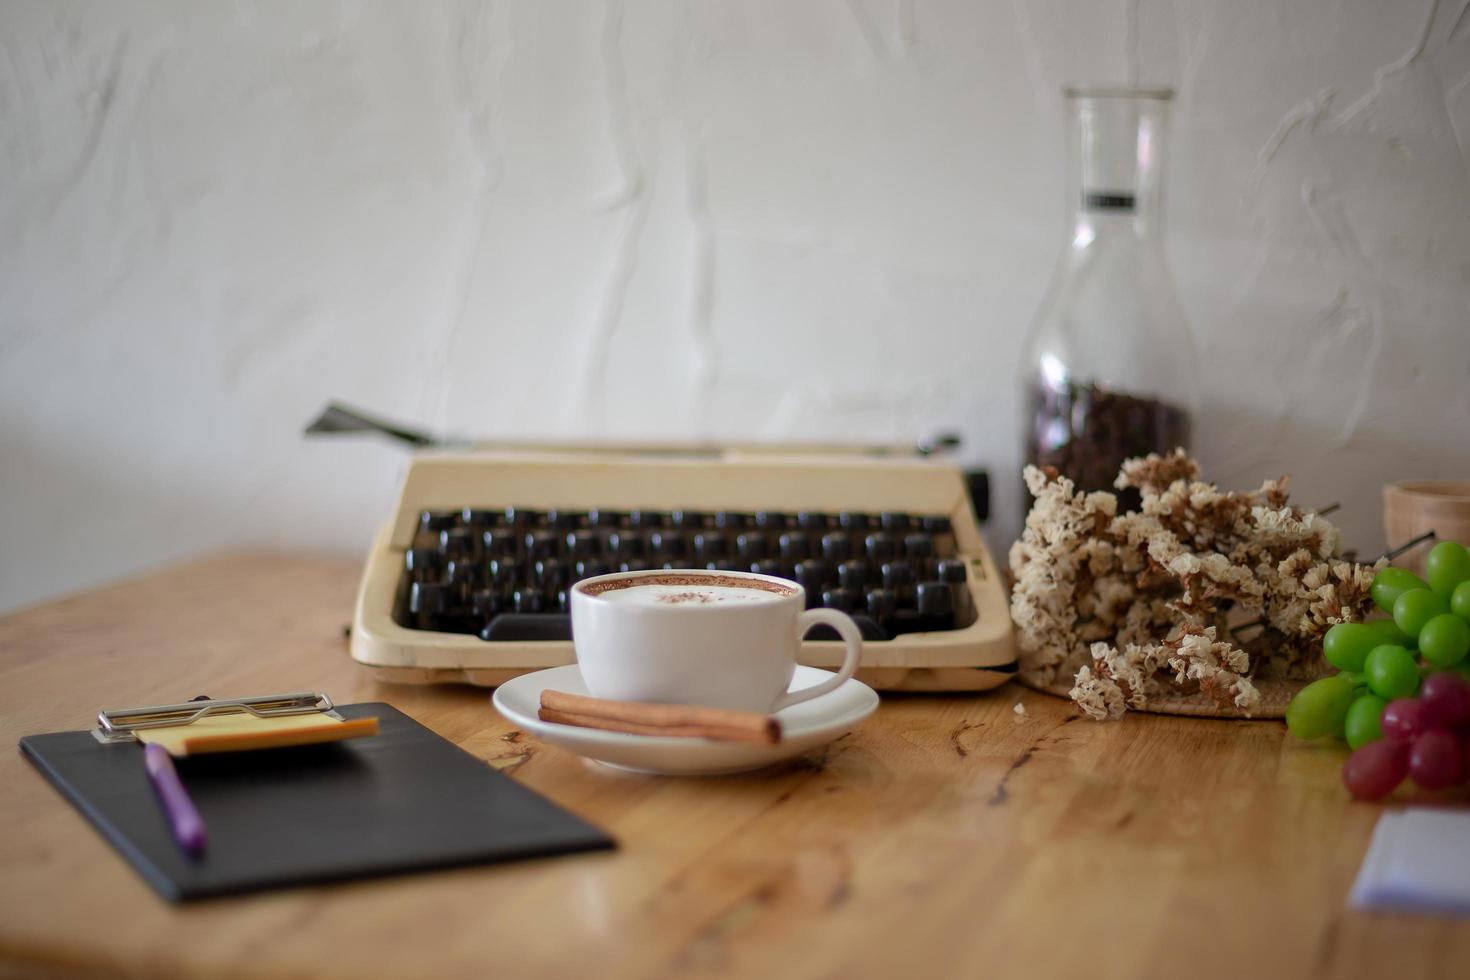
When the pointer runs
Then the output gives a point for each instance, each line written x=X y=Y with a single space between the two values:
x=686 y=595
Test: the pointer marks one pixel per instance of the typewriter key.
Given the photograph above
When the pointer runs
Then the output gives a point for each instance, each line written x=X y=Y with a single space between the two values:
x=710 y=546
x=669 y=545
x=934 y=598
x=836 y=547
x=881 y=604
x=898 y=576
x=423 y=564
x=477 y=519
x=500 y=541
x=437 y=521
x=843 y=600
x=462 y=572
x=752 y=546
x=427 y=602
x=627 y=544
x=505 y=574
x=772 y=520
x=590 y=568
x=515 y=627
x=519 y=517
x=541 y=544
x=810 y=520
x=880 y=547
x=767 y=566
x=456 y=542
x=427 y=598
x=489 y=603
x=549 y=574
x=795 y=547
x=582 y=543
x=528 y=601
x=894 y=522
x=810 y=575
x=918 y=545
x=906 y=620
x=951 y=570
x=935 y=605
x=853 y=575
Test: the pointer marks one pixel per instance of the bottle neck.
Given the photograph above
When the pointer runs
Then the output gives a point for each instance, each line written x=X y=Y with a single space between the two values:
x=1089 y=226
x=1115 y=155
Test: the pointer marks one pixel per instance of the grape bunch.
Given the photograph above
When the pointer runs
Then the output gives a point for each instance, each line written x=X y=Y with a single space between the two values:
x=1401 y=697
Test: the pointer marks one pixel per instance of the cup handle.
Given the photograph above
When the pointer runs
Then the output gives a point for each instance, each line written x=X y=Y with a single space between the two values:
x=851 y=635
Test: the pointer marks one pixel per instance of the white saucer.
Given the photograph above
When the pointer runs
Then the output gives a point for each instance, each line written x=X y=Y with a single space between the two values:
x=803 y=726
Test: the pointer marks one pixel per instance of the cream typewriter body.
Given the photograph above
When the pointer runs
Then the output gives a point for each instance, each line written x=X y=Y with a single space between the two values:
x=467 y=583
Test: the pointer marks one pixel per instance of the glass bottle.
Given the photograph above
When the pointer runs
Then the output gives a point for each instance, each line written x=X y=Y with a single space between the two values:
x=1109 y=366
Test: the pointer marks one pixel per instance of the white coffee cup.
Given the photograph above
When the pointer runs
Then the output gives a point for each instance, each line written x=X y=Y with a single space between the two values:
x=720 y=639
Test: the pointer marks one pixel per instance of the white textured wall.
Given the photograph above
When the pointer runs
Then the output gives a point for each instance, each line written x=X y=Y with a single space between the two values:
x=677 y=219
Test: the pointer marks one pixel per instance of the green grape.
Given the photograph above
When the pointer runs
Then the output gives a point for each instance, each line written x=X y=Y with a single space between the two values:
x=1346 y=645
x=1320 y=708
x=1392 y=672
x=1446 y=566
x=1445 y=640
x=1460 y=601
x=1355 y=679
x=1361 y=725
x=1412 y=609
x=1391 y=583
x=1390 y=632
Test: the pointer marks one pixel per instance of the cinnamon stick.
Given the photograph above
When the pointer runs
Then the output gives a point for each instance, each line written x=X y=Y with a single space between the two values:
x=674 y=720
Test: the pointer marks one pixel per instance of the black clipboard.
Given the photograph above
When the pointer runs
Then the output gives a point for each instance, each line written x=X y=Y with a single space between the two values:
x=400 y=801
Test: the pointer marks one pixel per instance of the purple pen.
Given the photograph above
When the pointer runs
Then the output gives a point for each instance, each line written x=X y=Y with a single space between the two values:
x=183 y=817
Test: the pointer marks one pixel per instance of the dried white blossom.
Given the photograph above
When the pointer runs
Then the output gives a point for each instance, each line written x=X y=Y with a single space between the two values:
x=1098 y=697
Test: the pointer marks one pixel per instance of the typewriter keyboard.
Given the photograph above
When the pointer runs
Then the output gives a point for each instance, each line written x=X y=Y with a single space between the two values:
x=504 y=575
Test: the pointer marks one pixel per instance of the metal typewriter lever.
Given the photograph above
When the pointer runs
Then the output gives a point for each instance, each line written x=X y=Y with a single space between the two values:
x=939 y=442
x=337 y=418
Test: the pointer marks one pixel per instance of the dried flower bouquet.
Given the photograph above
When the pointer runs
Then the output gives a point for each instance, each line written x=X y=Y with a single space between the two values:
x=1199 y=593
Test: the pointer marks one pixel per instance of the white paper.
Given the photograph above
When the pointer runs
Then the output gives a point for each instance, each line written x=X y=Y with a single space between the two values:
x=1418 y=861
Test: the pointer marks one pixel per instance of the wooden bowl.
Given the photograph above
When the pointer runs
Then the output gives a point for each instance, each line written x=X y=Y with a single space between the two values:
x=1414 y=506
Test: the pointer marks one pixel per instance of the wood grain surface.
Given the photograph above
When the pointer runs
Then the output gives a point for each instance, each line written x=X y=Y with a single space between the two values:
x=948 y=836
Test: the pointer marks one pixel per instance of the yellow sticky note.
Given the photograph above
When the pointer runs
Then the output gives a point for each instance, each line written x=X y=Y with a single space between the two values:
x=243 y=732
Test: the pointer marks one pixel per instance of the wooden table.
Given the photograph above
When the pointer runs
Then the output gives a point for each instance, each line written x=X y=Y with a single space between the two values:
x=948 y=836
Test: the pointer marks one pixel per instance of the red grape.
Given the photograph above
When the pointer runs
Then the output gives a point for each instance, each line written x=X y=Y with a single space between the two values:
x=1446 y=700
x=1436 y=760
x=1403 y=720
x=1375 y=770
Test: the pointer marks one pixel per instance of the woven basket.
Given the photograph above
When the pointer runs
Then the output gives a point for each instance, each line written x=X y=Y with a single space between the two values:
x=1275 y=696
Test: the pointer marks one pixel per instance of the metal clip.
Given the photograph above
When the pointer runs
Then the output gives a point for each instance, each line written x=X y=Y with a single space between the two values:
x=119 y=725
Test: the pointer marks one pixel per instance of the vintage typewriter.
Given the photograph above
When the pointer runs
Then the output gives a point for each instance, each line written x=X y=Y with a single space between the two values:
x=468 y=581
